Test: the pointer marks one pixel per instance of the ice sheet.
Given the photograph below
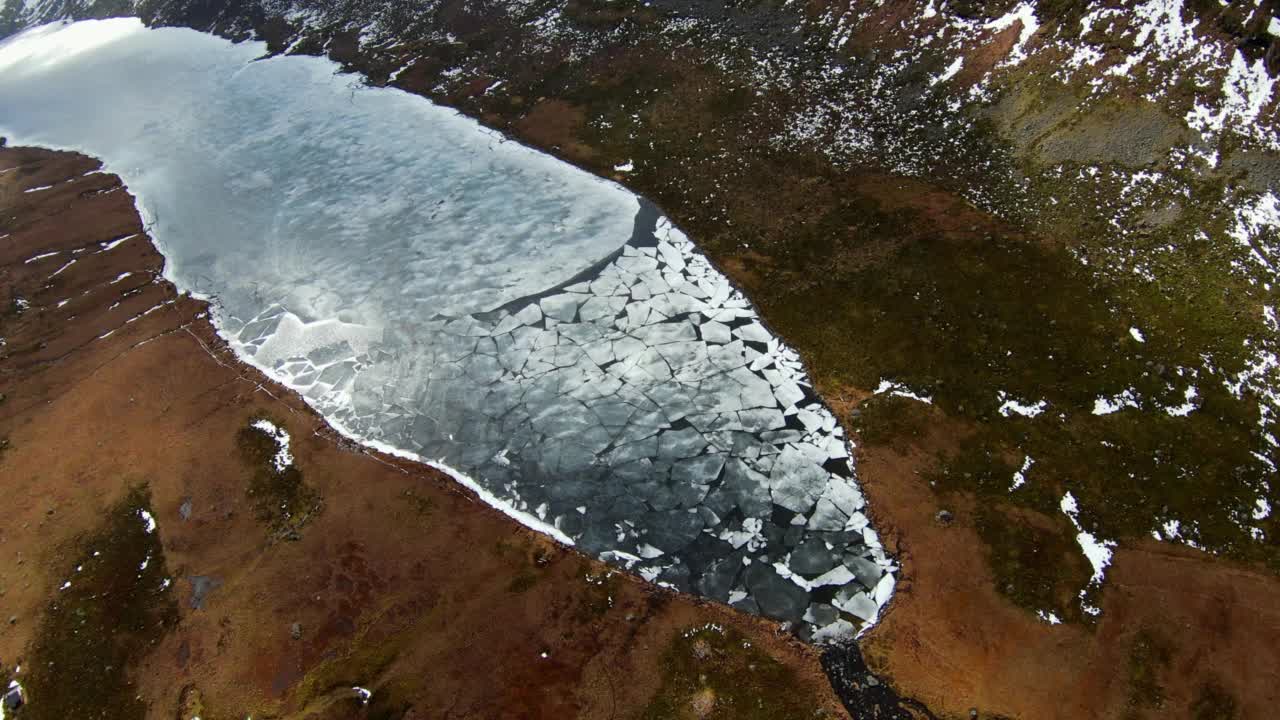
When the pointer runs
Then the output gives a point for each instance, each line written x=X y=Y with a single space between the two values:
x=440 y=292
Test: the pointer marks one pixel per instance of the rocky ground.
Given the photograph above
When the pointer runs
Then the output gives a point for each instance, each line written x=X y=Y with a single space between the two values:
x=1053 y=221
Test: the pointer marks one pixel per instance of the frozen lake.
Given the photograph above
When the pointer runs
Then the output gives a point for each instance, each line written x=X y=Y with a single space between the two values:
x=432 y=288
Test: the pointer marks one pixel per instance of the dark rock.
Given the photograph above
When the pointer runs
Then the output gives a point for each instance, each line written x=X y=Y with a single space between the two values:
x=945 y=517
x=295 y=631
x=863 y=695
x=13 y=700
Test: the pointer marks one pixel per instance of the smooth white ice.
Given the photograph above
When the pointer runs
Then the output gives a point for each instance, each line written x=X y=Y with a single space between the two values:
x=302 y=173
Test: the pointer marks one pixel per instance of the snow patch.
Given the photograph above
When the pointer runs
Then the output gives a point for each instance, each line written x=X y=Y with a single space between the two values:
x=900 y=390
x=283 y=458
x=1010 y=406
x=148 y=520
x=1098 y=552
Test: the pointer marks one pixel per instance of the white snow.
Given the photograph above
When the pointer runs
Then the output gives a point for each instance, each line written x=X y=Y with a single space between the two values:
x=115 y=243
x=625 y=167
x=900 y=390
x=1107 y=405
x=950 y=71
x=1025 y=14
x=42 y=256
x=148 y=520
x=1020 y=477
x=283 y=457
x=1246 y=91
x=1137 y=335
x=1188 y=405
x=1012 y=406
x=64 y=266
x=1098 y=552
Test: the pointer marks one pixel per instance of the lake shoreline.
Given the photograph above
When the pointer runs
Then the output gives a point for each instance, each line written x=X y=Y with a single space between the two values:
x=181 y=400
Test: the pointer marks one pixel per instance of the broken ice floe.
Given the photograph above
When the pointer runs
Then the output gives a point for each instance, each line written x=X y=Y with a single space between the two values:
x=439 y=292
x=642 y=412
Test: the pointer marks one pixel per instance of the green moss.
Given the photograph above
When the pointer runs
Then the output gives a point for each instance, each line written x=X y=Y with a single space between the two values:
x=423 y=507
x=606 y=14
x=281 y=499
x=1149 y=657
x=1066 y=12
x=1035 y=560
x=118 y=605
x=363 y=660
x=1213 y=703
x=522 y=582
x=388 y=701
x=715 y=674
x=964 y=316
x=596 y=598
x=191 y=704
x=890 y=420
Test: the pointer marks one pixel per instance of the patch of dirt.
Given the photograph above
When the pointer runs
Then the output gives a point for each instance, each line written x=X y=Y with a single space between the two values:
x=557 y=124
